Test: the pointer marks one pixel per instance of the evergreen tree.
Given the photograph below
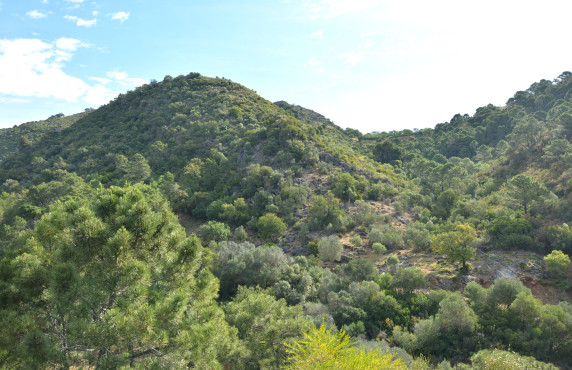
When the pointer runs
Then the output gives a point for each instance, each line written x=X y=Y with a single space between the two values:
x=111 y=282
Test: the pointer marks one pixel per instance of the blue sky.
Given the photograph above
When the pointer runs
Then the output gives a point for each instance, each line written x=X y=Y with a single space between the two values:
x=370 y=65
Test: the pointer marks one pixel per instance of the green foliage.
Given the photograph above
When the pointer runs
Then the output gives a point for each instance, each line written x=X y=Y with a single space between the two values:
x=387 y=235
x=557 y=262
x=497 y=359
x=265 y=324
x=214 y=231
x=245 y=264
x=386 y=152
x=408 y=280
x=526 y=190
x=239 y=234
x=356 y=241
x=360 y=269
x=379 y=248
x=456 y=244
x=511 y=233
x=417 y=237
x=330 y=248
x=344 y=186
x=324 y=211
x=323 y=349
x=111 y=281
x=271 y=227
x=312 y=247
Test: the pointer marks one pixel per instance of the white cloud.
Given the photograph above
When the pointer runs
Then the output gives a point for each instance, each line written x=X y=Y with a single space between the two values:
x=318 y=34
x=120 y=16
x=95 y=13
x=352 y=58
x=68 y=44
x=34 y=68
x=31 y=67
x=123 y=79
x=81 y=22
x=313 y=62
x=36 y=14
x=12 y=100
x=75 y=1
x=334 y=8
x=101 y=80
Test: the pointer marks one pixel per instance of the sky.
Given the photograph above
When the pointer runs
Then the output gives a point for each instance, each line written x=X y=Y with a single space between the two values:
x=365 y=64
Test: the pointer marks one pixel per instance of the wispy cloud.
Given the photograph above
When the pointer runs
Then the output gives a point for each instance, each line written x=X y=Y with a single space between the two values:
x=313 y=62
x=80 y=22
x=120 y=16
x=353 y=57
x=36 y=14
x=101 y=80
x=75 y=1
x=318 y=34
x=13 y=100
x=69 y=44
x=123 y=79
x=334 y=8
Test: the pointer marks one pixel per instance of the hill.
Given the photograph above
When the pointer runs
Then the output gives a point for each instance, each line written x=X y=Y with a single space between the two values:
x=435 y=243
x=12 y=139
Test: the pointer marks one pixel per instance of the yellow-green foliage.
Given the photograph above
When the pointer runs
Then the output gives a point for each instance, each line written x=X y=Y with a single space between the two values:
x=323 y=349
x=504 y=360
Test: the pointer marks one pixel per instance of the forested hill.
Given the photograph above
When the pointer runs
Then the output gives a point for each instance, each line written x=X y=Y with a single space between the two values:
x=474 y=165
x=186 y=134
x=21 y=136
x=436 y=248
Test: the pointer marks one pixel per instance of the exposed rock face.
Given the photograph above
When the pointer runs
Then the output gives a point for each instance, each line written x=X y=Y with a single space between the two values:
x=505 y=273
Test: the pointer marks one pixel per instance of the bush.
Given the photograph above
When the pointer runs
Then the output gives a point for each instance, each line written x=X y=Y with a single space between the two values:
x=418 y=237
x=557 y=262
x=240 y=234
x=271 y=226
x=375 y=235
x=312 y=247
x=330 y=248
x=392 y=262
x=214 y=230
x=356 y=241
x=511 y=233
x=408 y=279
x=379 y=248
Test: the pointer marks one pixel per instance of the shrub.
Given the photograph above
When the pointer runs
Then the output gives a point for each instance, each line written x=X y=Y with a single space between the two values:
x=330 y=248
x=214 y=230
x=557 y=262
x=271 y=226
x=356 y=241
x=240 y=234
x=379 y=248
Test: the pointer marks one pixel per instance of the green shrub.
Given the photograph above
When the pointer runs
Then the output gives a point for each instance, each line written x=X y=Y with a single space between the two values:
x=379 y=248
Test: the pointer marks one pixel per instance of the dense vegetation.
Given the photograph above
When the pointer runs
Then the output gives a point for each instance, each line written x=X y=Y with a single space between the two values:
x=297 y=235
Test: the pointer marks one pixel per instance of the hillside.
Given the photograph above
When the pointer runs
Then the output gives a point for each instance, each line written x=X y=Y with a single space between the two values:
x=436 y=243
x=12 y=139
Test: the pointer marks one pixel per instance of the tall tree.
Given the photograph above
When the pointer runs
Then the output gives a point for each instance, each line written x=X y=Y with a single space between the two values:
x=456 y=244
x=111 y=282
x=526 y=190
